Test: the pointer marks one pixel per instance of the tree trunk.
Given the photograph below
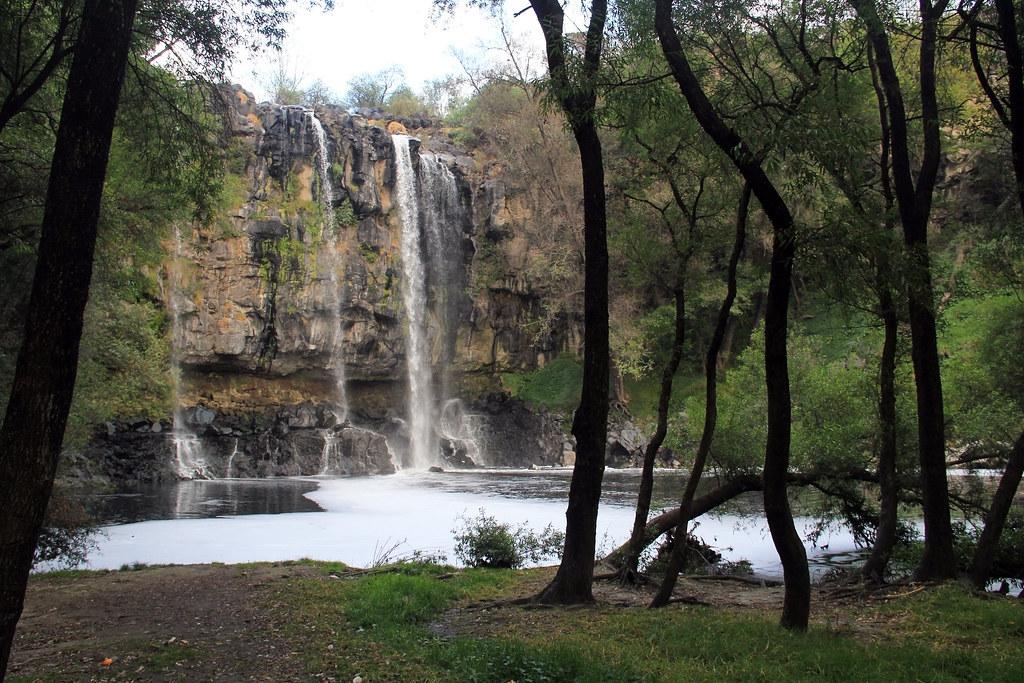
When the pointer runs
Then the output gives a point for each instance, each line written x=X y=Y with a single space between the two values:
x=33 y=428
x=796 y=605
x=1015 y=84
x=885 y=535
x=574 y=580
x=938 y=560
x=677 y=560
x=629 y=569
x=984 y=554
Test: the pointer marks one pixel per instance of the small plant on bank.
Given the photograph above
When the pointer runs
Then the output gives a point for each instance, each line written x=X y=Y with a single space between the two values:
x=483 y=541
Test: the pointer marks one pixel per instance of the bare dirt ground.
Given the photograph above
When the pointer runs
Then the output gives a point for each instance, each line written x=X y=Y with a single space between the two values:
x=198 y=623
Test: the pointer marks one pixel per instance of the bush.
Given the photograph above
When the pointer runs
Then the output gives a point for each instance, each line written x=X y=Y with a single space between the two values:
x=68 y=533
x=483 y=541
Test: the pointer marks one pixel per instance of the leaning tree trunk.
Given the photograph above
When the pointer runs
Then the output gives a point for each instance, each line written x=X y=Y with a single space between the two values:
x=44 y=379
x=628 y=572
x=797 y=603
x=677 y=559
x=984 y=554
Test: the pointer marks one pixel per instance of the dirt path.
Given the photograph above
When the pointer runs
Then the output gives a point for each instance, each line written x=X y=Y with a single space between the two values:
x=200 y=623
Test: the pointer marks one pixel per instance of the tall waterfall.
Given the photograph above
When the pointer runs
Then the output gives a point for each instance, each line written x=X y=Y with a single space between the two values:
x=189 y=460
x=442 y=215
x=334 y=264
x=423 y=442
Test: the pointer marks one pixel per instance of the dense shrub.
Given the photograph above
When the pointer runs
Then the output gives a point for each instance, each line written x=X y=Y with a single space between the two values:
x=483 y=541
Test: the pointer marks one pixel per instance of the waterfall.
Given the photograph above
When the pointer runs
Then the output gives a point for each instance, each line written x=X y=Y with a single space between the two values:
x=442 y=215
x=330 y=448
x=334 y=265
x=323 y=168
x=189 y=460
x=463 y=431
x=423 y=443
x=231 y=459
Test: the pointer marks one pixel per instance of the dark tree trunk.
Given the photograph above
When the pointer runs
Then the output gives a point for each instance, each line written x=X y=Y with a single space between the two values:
x=984 y=554
x=1015 y=84
x=629 y=569
x=677 y=560
x=574 y=580
x=796 y=605
x=938 y=560
x=33 y=428
x=885 y=535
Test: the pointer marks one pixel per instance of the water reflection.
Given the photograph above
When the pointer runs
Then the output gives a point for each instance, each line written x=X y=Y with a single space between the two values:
x=203 y=498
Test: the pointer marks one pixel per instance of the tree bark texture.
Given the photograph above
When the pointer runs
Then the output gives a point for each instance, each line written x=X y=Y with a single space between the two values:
x=677 y=560
x=578 y=97
x=33 y=427
x=796 y=605
x=938 y=560
x=984 y=554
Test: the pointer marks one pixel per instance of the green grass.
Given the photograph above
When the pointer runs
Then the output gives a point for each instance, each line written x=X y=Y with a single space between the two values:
x=557 y=385
x=378 y=626
x=644 y=393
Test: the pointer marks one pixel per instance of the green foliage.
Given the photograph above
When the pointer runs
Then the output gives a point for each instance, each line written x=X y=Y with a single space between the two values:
x=123 y=368
x=483 y=541
x=557 y=385
x=345 y=215
x=982 y=340
x=833 y=404
x=1008 y=561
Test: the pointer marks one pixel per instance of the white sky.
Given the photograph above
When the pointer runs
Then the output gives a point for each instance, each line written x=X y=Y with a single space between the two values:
x=360 y=36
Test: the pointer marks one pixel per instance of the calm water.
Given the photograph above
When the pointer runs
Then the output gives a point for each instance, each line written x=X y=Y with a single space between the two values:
x=359 y=520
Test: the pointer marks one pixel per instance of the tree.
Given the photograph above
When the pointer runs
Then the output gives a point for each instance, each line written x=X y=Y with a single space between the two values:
x=914 y=200
x=284 y=82
x=36 y=38
x=373 y=90
x=677 y=560
x=577 y=95
x=1008 y=105
x=674 y=173
x=796 y=606
x=33 y=427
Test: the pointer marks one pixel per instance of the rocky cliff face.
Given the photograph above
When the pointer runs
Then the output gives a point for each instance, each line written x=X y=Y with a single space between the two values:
x=298 y=282
x=257 y=297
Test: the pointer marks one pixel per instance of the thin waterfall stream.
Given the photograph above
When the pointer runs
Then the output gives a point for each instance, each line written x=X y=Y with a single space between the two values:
x=334 y=265
x=188 y=448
